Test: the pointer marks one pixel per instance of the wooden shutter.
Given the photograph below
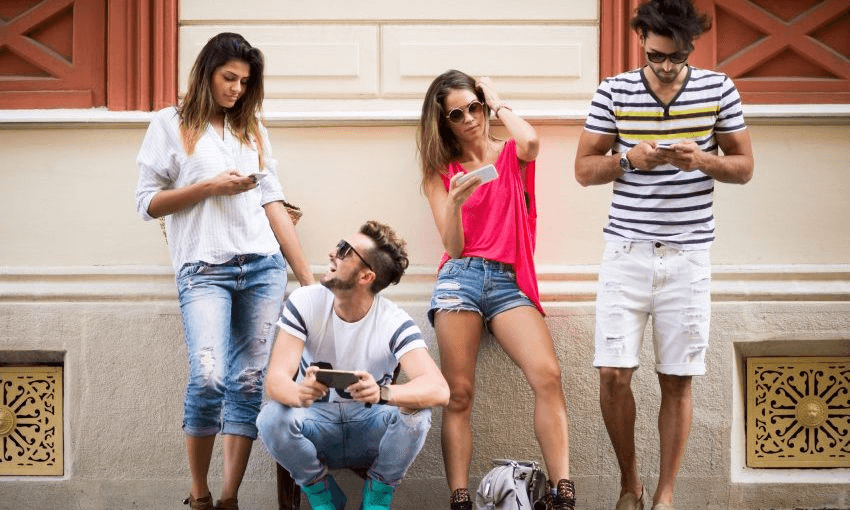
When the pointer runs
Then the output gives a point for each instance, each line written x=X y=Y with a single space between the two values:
x=52 y=53
x=776 y=51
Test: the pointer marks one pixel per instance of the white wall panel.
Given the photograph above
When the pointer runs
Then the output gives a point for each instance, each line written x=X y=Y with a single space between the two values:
x=301 y=61
x=386 y=10
x=535 y=62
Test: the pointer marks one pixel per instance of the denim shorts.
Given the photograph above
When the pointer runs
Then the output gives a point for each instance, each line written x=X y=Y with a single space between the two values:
x=476 y=285
x=642 y=279
x=229 y=315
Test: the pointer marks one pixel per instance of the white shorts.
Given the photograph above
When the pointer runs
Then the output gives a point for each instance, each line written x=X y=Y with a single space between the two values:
x=639 y=279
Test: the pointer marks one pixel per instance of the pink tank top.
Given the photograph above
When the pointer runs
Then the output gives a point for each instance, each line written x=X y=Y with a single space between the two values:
x=500 y=219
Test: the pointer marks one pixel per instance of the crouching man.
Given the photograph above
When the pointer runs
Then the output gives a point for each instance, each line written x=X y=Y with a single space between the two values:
x=371 y=425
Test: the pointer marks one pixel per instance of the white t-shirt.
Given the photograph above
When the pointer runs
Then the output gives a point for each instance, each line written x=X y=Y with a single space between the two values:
x=375 y=343
x=217 y=228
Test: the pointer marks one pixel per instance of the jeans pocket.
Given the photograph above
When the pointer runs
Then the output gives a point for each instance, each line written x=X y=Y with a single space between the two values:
x=451 y=268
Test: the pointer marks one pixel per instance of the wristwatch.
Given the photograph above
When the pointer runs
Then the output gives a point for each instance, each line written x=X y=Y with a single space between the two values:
x=384 y=399
x=625 y=164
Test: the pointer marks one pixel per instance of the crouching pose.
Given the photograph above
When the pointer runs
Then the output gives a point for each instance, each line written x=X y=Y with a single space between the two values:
x=321 y=421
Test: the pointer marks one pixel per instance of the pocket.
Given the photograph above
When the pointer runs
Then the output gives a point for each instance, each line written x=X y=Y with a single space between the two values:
x=698 y=258
x=191 y=269
x=613 y=251
x=451 y=268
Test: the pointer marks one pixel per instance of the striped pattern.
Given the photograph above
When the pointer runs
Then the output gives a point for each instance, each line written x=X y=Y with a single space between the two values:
x=374 y=343
x=665 y=204
x=217 y=228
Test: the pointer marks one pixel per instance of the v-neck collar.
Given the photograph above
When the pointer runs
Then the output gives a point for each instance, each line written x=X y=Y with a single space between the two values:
x=666 y=106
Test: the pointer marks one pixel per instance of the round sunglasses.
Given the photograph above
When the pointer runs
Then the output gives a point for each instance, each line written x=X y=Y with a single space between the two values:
x=474 y=108
x=656 y=57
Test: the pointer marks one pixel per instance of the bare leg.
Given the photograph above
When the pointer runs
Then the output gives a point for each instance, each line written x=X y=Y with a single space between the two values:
x=237 y=450
x=200 y=452
x=524 y=336
x=459 y=336
x=618 y=412
x=674 y=424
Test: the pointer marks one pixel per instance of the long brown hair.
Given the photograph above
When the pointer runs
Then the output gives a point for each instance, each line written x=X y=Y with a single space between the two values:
x=435 y=141
x=199 y=106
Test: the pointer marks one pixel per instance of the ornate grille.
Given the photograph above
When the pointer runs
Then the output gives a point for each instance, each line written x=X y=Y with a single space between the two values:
x=798 y=412
x=31 y=421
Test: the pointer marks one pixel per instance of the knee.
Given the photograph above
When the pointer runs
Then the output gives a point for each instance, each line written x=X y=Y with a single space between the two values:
x=461 y=397
x=418 y=420
x=545 y=379
x=614 y=380
x=275 y=418
x=674 y=386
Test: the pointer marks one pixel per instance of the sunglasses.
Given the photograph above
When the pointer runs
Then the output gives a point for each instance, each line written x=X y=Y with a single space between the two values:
x=343 y=249
x=656 y=57
x=474 y=108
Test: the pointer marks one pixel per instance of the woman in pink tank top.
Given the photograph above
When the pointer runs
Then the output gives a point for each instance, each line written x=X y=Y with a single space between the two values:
x=487 y=274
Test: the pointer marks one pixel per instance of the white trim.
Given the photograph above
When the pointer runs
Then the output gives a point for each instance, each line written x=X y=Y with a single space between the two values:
x=559 y=285
x=538 y=113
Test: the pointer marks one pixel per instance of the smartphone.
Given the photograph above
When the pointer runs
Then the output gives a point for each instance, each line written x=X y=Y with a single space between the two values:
x=258 y=175
x=665 y=146
x=339 y=379
x=485 y=173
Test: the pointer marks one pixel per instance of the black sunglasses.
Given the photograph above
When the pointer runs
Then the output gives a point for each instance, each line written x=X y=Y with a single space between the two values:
x=656 y=57
x=474 y=108
x=343 y=249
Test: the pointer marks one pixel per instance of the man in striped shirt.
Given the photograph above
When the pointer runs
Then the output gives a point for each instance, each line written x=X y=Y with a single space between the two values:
x=373 y=424
x=655 y=133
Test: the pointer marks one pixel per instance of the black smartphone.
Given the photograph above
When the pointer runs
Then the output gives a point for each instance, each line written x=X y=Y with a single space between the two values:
x=339 y=379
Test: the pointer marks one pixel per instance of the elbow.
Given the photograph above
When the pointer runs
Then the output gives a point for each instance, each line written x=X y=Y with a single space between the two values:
x=582 y=178
x=746 y=176
x=443 y=395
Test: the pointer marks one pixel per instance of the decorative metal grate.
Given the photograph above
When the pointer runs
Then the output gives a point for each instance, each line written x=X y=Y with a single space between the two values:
x=798 y=412
x=31 y=418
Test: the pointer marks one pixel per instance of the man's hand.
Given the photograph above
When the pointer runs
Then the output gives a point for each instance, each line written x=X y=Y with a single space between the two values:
x=685 y=156
x=365 y=390
x=310 y=390
x=644 y=156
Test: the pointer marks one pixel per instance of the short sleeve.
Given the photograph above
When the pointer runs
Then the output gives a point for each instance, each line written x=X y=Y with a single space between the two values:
x=295 y=311
x=730 y=114
x=601 y=117
x=406 y=337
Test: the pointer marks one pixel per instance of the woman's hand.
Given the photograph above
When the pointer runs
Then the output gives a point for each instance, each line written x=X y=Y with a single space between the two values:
x=231 y=182
x=485 y=85
x=459 y=191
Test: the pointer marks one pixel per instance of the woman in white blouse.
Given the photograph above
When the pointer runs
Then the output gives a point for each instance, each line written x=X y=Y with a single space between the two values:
x=206 y=166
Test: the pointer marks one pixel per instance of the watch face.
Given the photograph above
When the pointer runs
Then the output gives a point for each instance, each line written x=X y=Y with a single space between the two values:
x=624 y=163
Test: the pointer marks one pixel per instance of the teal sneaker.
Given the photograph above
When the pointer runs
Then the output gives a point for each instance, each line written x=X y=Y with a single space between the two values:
x=325 y=495
x=376 y=495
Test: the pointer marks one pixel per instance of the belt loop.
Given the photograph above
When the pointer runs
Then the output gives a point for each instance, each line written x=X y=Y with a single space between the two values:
x=466 y=262
x=628 y=247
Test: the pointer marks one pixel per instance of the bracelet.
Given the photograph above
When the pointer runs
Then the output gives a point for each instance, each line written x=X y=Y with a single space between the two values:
x=501 y=105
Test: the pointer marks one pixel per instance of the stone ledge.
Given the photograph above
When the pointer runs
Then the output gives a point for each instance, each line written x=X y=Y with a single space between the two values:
x=559 y=285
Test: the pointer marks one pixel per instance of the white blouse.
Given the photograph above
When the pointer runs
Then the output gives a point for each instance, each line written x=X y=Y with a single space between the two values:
x=217 y=228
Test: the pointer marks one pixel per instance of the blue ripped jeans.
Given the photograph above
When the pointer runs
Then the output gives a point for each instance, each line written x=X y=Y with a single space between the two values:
x=229 y=315
x=308 y=441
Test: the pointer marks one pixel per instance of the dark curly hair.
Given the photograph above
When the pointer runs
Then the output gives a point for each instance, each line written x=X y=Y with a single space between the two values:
x=676 y=19
x=389 y=256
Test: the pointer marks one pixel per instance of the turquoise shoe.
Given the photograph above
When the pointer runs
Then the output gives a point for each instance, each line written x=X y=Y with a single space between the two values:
x=325 y=495
x=376 y=495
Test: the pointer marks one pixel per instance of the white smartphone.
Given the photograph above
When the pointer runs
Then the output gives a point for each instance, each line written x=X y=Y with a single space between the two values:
x=664 y=146
x=485 y=173
x=258 y=175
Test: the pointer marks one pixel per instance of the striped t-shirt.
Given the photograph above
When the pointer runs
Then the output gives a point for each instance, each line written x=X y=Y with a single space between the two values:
x=374 y=344
x=665 y=203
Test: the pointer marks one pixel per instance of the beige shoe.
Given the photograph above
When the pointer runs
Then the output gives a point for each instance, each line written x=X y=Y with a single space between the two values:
x=663 y=506
x=629 y=501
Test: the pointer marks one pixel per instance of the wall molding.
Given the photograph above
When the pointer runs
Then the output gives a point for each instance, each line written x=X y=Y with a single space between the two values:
x=559 y=285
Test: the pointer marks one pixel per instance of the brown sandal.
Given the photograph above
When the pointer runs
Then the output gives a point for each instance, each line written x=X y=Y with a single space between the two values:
x=204 y=503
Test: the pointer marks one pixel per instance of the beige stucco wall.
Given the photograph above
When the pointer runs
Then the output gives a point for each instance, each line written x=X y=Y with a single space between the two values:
x=83 y=278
